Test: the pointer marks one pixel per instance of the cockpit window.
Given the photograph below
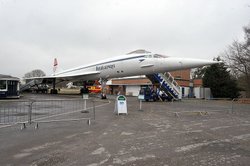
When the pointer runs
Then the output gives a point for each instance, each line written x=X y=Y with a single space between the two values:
x=159 y=56
x=148 y=56
x=155 y=56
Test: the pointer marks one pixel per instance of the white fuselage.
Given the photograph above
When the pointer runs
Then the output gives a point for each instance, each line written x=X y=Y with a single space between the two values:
x=130 y=65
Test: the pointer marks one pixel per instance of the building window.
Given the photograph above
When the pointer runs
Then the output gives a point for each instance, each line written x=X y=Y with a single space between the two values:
x=3 y=85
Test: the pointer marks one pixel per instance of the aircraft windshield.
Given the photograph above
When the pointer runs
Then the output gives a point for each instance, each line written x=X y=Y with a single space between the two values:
x=149 y=56
x=155 y=56
x=160 y=56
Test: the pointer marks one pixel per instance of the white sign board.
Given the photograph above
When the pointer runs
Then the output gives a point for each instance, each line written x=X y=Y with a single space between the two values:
x=141 y=97
x=85 y=96
x=121 y=105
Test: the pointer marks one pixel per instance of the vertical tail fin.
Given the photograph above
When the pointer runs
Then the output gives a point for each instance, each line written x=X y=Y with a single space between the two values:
x=55 y=65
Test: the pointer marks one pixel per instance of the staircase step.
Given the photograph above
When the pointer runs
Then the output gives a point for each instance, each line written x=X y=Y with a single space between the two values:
x=165 y=84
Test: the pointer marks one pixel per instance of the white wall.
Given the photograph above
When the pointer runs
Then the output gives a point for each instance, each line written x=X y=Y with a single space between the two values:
x=207 y=94
x=197 y=92
x=200 y=92
x=186 y=91
x=133 y=90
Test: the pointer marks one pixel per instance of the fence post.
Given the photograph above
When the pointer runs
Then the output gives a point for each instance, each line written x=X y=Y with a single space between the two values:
x=204 y=104
x=30 y=112
x=85 y=104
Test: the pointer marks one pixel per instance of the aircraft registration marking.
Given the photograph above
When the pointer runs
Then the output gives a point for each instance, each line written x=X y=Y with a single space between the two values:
x=105 y=67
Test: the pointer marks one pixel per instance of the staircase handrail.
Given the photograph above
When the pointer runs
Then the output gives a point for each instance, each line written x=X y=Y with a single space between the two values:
x=29 y=85
x=176 y=87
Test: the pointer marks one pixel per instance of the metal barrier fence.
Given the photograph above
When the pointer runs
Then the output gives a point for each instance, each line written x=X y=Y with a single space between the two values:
x=210 y=106
x=51 y=110
x=200 y=107
x=38 y=111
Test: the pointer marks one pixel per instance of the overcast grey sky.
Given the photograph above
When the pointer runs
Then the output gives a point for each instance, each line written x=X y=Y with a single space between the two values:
x=34 y=32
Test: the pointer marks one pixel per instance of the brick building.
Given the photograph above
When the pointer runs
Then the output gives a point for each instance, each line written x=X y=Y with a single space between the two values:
x=132 y=85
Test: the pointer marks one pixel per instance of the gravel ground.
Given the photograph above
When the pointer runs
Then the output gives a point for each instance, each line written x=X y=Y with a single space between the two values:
x=190 y=132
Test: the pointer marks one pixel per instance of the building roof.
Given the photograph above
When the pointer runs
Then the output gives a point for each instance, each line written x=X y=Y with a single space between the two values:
x=8 y=77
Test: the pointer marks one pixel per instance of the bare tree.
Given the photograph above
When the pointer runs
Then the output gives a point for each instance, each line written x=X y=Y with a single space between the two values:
x=198 y=73
x=247 y=35
x=238 y=58
x=34 y=73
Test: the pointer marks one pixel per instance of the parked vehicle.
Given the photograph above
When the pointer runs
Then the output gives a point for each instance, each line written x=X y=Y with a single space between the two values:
x=41 y=88
x=149 y=94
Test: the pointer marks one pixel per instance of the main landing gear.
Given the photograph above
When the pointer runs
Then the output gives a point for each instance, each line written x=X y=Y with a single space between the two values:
x=103 y=84
x=54 y=90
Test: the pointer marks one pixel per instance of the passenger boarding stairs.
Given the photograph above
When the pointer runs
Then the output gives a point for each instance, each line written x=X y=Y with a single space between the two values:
x=167 y=84
x=29 y=85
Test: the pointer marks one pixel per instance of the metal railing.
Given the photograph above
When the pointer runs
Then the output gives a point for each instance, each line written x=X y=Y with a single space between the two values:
x=39 y=111
x=210 y=106
x=167 y=77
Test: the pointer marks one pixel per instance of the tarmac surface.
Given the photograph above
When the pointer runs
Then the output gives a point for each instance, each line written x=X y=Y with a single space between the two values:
x=189 y=132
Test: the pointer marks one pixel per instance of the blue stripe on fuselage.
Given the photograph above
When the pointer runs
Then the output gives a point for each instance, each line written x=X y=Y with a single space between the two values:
x=117 y=60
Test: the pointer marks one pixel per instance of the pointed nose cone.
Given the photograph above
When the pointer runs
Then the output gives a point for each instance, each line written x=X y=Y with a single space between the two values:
x=193 y=63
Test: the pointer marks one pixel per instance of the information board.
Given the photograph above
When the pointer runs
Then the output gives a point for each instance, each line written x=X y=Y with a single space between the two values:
x=141 y=97
x=121 y=105
x=85 y=96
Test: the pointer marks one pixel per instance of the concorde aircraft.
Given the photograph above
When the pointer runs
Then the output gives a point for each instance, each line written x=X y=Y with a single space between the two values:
x=139 y=62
